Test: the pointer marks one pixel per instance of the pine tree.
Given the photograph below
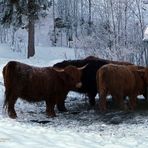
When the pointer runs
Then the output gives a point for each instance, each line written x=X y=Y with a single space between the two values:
x=23 y=14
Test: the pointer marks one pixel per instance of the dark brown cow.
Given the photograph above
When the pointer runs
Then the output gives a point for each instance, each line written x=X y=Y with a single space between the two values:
x=119 y=81
x=35 y=84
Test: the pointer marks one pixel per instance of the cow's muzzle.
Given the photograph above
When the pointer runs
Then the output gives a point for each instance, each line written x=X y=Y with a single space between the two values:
x=79 y=85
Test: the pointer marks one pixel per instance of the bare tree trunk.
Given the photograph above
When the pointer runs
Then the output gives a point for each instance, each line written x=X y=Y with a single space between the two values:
x=31 y=30
x=3 y=35
x=82 y=15
x=113 y=23
x=89 y=19
x=119 y=19
x=54 y=28
x=13 y=37
x=108 y=21
x=140 y=16
x=76 y=18
x=125 y=24
x=31 y=39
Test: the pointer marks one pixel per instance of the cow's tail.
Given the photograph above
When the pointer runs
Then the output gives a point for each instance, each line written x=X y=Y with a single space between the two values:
x=8 y=75
x=4 y=77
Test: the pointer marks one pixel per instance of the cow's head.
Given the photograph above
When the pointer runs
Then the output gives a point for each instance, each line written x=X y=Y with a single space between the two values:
x=144 y=74
x=62 y=64
x=74 y=74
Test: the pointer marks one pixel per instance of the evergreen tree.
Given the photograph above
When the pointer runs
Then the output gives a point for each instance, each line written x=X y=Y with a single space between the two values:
x=24 y=13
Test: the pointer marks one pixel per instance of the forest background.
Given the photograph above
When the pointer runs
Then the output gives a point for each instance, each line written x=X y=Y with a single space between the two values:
x=110 y=29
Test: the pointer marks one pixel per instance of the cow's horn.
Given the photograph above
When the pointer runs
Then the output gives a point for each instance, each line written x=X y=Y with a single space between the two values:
x=81 y=68
x=58 y=69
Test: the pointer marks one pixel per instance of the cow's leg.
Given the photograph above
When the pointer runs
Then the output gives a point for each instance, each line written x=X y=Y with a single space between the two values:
x=61 y=103
x=102 y=100
x=50 y=108
x=145 y=94
x=119 y=100
x=11 y=107
x=132 y=101
x=91 y=97
x=61 y=106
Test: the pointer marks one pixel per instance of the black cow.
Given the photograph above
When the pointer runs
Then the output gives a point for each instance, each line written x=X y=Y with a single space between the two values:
x=88 y=78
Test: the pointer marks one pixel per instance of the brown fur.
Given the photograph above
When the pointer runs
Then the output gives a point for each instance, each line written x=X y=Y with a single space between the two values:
x=120 y=63
x=145 y=75
x=36 y=84
x=119 y=81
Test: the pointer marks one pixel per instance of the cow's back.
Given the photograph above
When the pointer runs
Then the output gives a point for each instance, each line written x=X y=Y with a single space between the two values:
x=116 y=78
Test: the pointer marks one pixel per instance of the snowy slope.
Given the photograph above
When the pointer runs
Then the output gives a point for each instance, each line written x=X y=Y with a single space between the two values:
x=81 y=127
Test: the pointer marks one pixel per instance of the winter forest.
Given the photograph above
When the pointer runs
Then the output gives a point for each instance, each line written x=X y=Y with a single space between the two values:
x=73 y=73
x=111 y=29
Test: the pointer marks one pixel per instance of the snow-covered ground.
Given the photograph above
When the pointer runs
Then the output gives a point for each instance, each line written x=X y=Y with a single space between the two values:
x=80 y=127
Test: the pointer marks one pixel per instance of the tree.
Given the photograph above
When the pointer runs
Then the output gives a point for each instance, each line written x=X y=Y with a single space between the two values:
x=24 y=13
x=89 y=17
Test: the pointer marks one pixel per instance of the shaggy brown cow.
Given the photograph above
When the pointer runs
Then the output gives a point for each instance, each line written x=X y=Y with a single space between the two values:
x=119 y=81
x=35 y=84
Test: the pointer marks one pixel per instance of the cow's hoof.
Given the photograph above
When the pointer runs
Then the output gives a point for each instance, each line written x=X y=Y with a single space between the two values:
x=92 y=103
x=13 y=115
x=51 y=115
x=62 y=109
x=102 y=110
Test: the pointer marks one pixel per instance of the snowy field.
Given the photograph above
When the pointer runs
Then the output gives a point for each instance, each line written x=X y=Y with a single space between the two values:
x=80 y=127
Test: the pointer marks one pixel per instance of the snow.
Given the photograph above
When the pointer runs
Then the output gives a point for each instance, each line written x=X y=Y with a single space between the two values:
x=80 y=127
x=146 y=34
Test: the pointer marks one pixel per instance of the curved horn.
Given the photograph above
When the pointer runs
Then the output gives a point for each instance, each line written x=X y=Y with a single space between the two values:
x=81 y=68
x=58 y=69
